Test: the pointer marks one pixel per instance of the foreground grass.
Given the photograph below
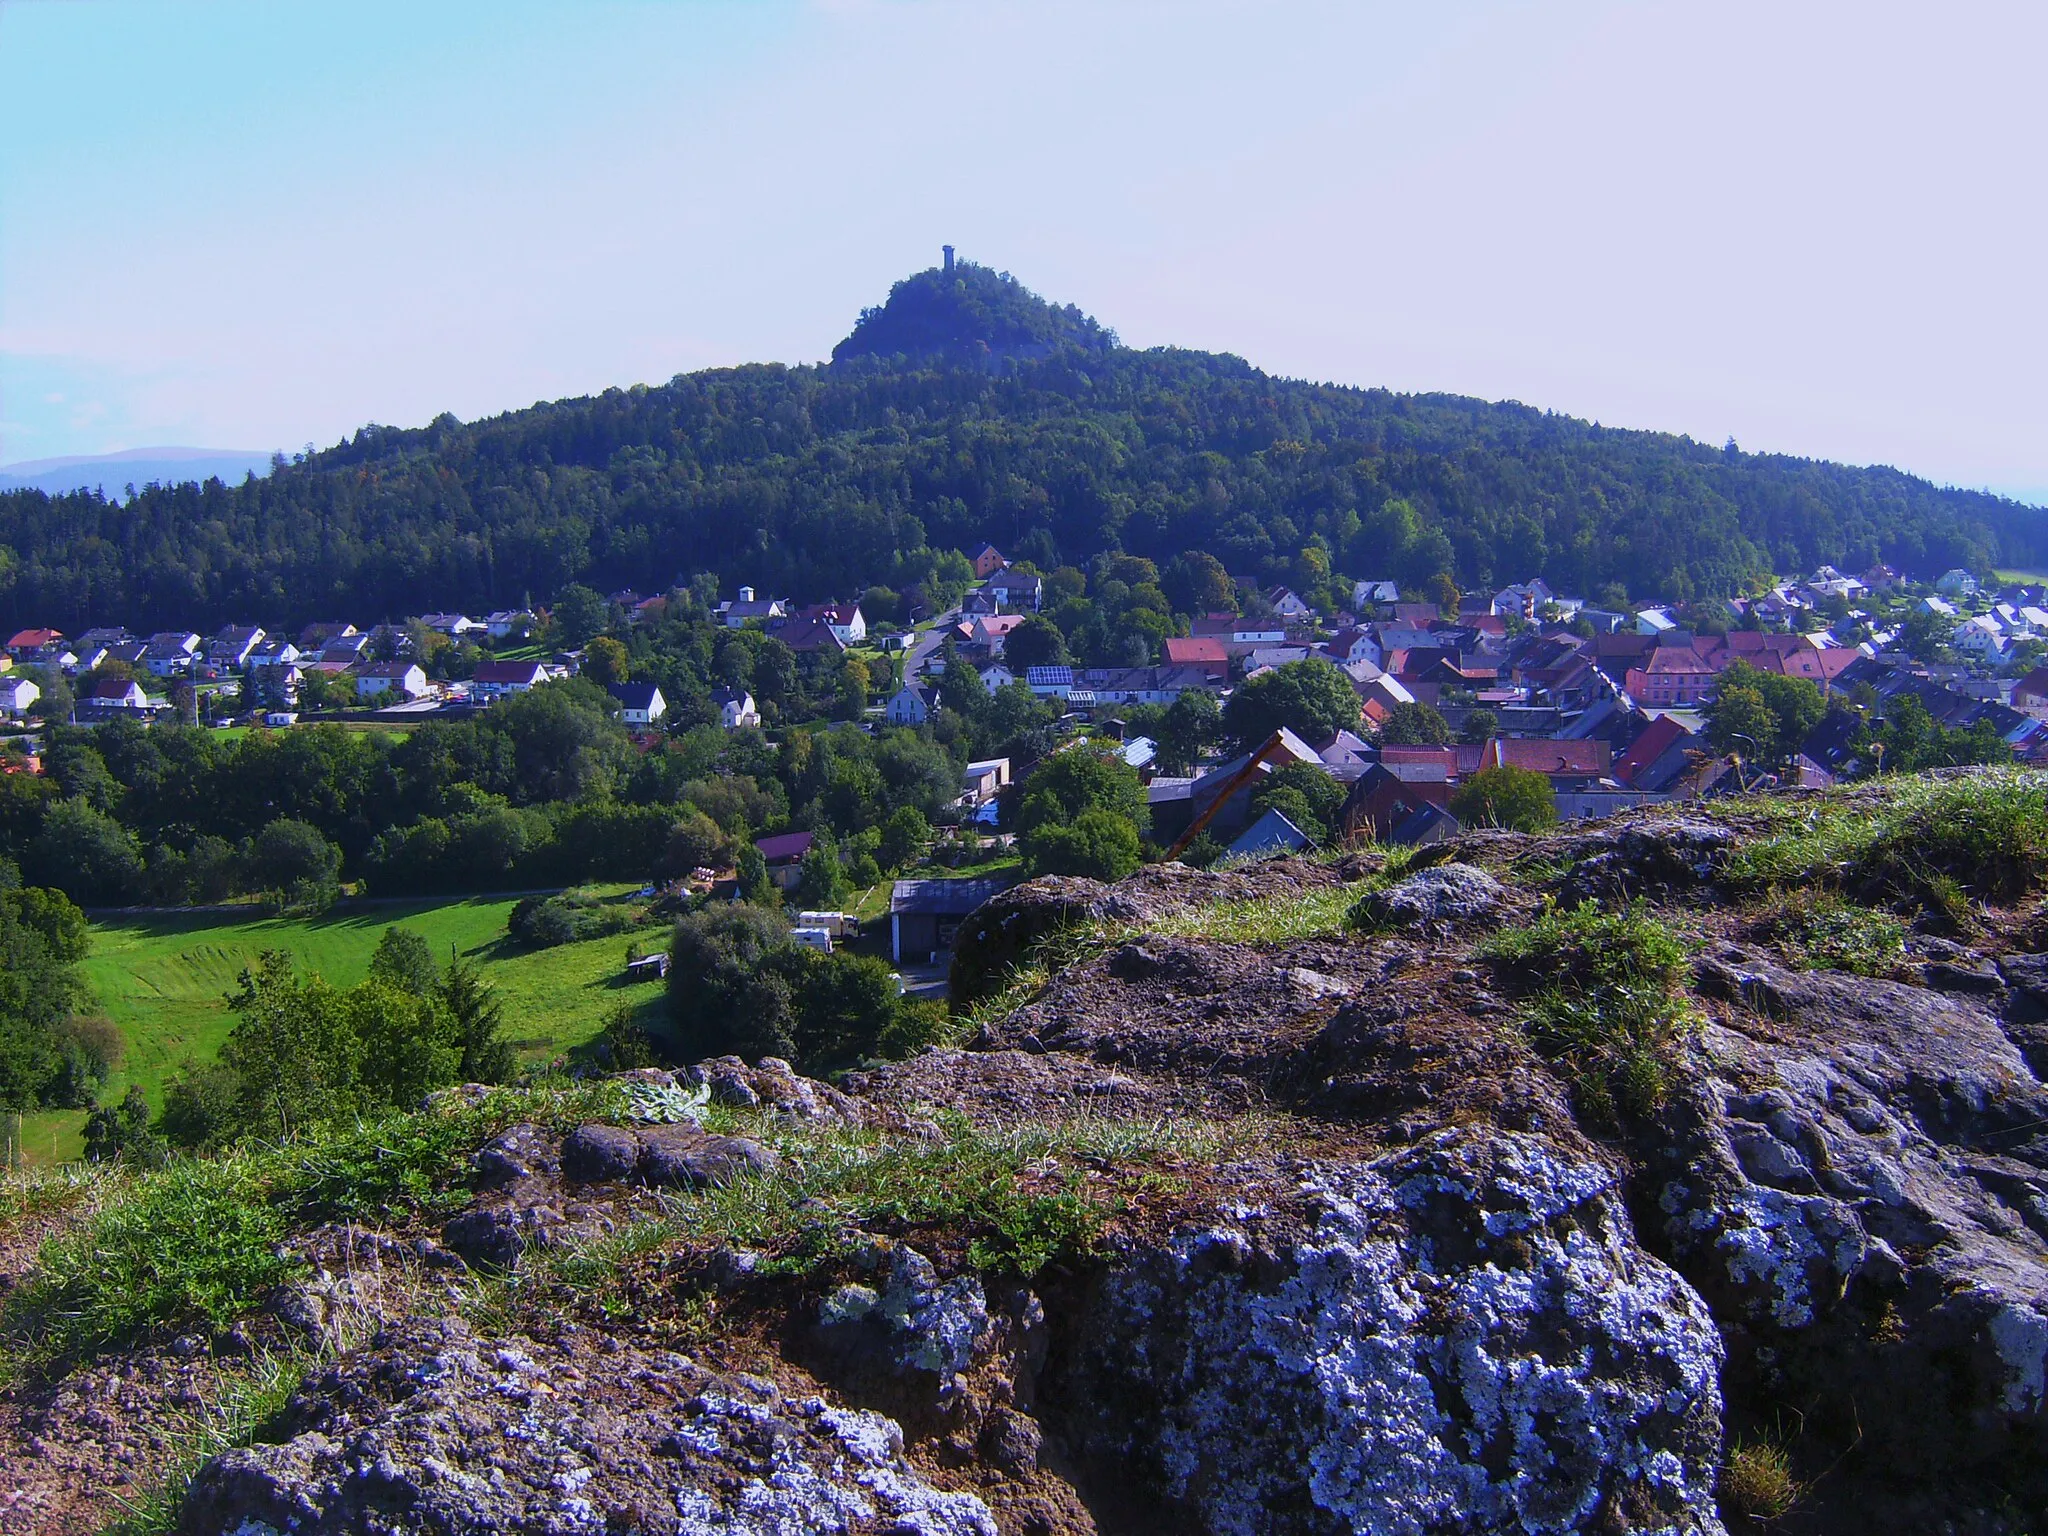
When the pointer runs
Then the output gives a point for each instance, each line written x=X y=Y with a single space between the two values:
x=197 y=1243
x=163 y=980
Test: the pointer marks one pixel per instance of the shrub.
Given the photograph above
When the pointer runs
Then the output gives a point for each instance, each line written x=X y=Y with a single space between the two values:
x=1098 y=843
x=543 y=922
x=1604 y=1001
x=1820 y=931
x=1515 y=799
x=200 y=1105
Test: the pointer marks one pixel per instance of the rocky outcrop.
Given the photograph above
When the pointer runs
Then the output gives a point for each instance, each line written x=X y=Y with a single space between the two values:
x=1462 y=1336
x=436 y=1429
x=1449 y=893
x=1858 y=1180
x=1003 y=931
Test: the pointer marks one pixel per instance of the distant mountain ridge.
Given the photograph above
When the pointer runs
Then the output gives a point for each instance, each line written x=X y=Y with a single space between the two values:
x=963 y=409
x=132 y=466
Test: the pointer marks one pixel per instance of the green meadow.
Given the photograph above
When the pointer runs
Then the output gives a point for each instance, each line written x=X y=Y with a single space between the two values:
x=164 y=980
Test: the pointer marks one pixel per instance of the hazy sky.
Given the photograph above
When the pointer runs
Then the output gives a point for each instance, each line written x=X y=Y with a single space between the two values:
x=1818 y=227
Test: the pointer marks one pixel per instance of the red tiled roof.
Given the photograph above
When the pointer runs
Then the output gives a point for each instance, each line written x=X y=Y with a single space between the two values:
x=1193 y=650
x=34 y=639
x=1648 y=747
x=1675 y=660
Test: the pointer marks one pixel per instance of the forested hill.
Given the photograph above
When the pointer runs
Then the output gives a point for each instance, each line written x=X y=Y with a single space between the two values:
x=966 y=408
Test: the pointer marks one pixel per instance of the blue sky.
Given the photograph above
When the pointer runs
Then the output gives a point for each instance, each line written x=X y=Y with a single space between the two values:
x=1818 y=227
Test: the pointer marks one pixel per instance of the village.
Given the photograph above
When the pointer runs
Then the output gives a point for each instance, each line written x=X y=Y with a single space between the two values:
x=1609 y=705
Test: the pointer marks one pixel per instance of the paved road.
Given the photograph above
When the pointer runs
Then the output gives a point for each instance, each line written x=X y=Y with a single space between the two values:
x=927 y=642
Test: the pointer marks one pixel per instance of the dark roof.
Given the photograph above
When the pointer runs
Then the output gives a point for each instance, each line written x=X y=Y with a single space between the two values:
x=785 y=845
x=509 y=672
x=947 y=898
x=633 y=695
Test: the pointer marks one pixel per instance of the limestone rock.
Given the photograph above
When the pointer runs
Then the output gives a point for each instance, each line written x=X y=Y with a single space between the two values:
x=436 y=1429
x=1446 y=894
x=1462 y=1335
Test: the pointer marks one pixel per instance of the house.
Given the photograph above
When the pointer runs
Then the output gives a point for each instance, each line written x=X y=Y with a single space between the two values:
x=347 y=649
x=1238 y=631
x=1367 y=595
x=281 y=719
x=1389 y=793
x=232 y=647
x=112 y=696
x=737 y=615
x=17 y=694
x=454 y=625
x=493 y=679
x=843 y=619
x=991 y=630
x=1050 y=682
x=1655 y=621
x=810 y=636
x=736 y=708
x=1934 y=607
x=1671 y=677
x=1287 y=604
x=925 y=915
x=273 y=653
x=1353 y=644
x=1015 y=589
x=1956 y=583
x=784 y=856
x=986 y=779
x=1658 y=756
x=642 y=703
x=987 y=560
x=1983 y=637
x=170 y=653
x=28 y=641
x=510 y=621
x=1270 y=836
x=317 y=637
x=1881 y=578
x=2031 y=691
x=1204 y=651
x=911 y=705
x=995 y=675
x=407 y=679
x=1136 y=685
x=1234 y=813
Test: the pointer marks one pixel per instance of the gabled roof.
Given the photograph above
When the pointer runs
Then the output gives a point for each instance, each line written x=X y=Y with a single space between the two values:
x=1660 y=737
x=785 y=845
x=1193 y=650
x=946 y=898
x=498 y=672
x=643 y=695
x=1674 y=661
x=1271 y=833
x=34 y=639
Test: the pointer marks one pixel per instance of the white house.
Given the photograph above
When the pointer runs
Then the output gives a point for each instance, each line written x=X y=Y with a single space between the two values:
x=494 y=678
x=407 y=679
x=508 y=621
x=1936 y=607
x=1981 y=637
x=995 y=675
x=17 y=693
x=1655 y=621
x=1956 y=583
x=640 y=703
x=736 y=707
x=1287 y=604
x=170 y=653
x=734 y=615
x=1050 y=682
x=1014 y=589
x=1374 y=594
x=911 y=705
x=454 y=625
x=232 y=647
x=845 y=621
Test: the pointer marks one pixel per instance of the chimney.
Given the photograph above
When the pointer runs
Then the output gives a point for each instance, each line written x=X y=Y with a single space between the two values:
x=949 y=258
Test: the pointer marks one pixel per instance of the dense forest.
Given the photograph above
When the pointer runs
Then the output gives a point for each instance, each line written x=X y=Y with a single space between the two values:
x=967 y=408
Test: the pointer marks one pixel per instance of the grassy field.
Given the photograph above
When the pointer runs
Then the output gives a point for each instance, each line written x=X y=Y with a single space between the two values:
x=164 y=980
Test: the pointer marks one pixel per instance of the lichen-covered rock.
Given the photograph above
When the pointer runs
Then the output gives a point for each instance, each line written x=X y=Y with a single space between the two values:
x=1669 y=854
x=436 y=1429
x=661 y=1154
x=1446 y=894
x=772 y=1085
x=1857 y=1178
x=908 y=1321
x=1461 y=1336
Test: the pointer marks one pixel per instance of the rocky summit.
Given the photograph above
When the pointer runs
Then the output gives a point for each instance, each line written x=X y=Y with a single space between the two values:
x=1683 y=1173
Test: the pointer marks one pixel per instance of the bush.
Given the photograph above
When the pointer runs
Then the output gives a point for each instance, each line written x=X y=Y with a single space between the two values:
x=121 y=1132
x=1099 y=844
x=200 y=1106
x=542 y=922
x=1514 y=799
x=1604 y=1001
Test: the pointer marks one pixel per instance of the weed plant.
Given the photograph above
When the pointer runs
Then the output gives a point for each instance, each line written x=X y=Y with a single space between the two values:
x=1605 y=1001
x=1821 y=931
